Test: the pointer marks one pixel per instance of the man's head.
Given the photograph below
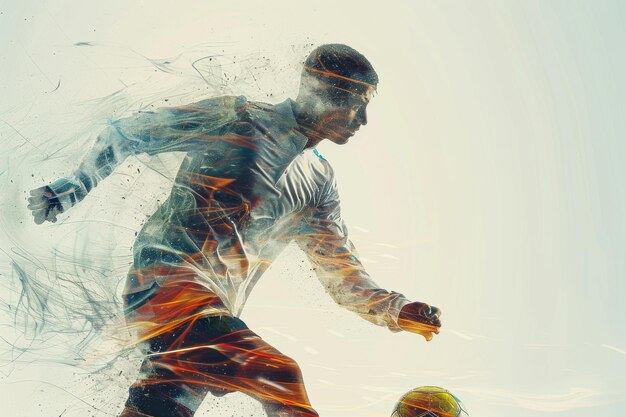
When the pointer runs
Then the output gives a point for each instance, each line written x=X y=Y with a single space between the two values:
x=336 y=86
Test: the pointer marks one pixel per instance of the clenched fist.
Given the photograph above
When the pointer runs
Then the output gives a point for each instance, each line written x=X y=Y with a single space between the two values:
x=420 y=318
x=44 y=204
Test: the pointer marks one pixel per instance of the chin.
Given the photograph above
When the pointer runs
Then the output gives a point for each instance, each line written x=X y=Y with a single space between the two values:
x=340 y=140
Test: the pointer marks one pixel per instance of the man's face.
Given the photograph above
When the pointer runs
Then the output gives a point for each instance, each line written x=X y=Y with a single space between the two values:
x=339 y=122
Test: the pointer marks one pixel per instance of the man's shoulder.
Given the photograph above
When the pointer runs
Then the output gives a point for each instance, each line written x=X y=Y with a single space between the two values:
x=216 y=103
x=243 y=117
x=211 y=109
x=269 y=115
x=246 y=110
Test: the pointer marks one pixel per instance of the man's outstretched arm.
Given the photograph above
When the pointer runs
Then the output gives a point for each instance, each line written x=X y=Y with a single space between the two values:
x=194 y=127
x=325 y=240
x=110 y=150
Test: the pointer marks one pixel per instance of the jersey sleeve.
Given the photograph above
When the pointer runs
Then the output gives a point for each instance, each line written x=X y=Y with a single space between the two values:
x=324 y=238
x=195 y=127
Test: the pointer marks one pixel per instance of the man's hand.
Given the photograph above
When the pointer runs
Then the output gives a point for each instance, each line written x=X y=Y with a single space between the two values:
x=420 y=318
x=44 y=204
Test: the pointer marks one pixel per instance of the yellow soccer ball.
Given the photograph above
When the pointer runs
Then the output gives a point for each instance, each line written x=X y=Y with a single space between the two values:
x=429 y=402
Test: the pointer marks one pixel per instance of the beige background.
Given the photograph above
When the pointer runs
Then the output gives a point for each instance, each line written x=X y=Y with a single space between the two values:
x=489 y=182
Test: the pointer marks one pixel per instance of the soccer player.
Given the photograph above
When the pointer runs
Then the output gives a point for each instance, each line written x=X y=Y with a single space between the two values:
x=251 y=183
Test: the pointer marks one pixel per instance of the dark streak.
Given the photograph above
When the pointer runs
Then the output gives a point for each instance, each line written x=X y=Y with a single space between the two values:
x=193 y=64
x=57 y=87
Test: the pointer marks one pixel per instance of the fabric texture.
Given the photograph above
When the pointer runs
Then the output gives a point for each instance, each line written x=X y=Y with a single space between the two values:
x=246 y=188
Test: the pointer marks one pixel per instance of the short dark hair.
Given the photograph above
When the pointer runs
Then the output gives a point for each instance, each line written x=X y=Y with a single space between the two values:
x=341 y=67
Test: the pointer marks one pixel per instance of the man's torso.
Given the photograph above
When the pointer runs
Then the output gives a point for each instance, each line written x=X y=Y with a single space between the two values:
x=233 y=207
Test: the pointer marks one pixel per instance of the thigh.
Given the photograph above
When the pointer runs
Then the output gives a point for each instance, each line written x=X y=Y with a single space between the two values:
x=186 y=347
x=254 y=367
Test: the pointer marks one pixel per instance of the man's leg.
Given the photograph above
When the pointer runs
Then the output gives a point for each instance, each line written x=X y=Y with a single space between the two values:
x=191 y=354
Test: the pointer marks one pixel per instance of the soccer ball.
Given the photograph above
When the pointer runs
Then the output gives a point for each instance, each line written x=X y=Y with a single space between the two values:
x=429 y=402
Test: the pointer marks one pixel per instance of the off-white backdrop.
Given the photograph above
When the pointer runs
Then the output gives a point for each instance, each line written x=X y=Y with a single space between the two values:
x=490 y=181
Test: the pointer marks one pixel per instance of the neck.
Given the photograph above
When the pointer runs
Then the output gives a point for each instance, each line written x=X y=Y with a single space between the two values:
x=306 y=122
x=311 y=135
